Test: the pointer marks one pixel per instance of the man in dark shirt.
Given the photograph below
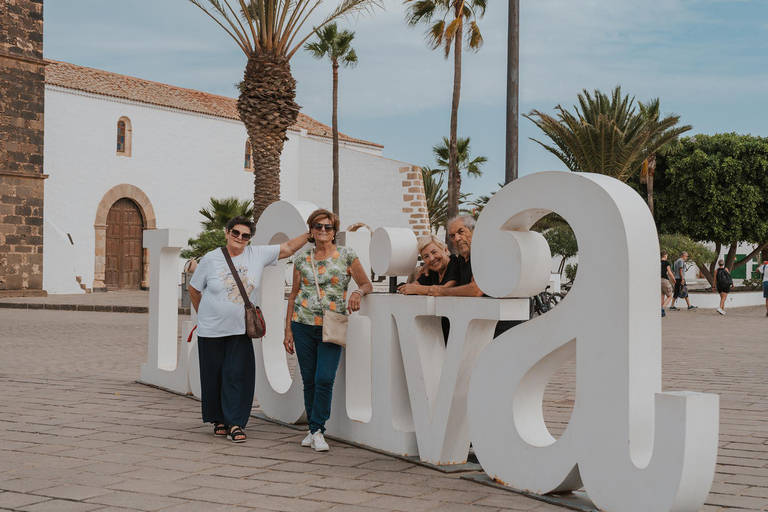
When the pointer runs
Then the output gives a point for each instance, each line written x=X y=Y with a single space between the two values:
x=460 y=230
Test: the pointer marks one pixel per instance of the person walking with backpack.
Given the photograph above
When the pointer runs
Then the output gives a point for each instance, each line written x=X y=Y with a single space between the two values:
x=681 y=290
x=723 y=284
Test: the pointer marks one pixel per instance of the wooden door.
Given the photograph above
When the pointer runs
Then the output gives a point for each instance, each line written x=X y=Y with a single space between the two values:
x=124 y=264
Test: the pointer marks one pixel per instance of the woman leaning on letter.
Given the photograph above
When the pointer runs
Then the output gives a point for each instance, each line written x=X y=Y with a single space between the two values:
x=318 y=361
x=227 y=367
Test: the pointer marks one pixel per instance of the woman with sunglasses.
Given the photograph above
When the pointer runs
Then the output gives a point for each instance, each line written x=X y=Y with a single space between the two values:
x=318 y=361
x=227 y=367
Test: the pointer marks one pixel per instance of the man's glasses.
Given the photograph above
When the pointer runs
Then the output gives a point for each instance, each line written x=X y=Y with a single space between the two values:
x=236 y=234
x=318 y=226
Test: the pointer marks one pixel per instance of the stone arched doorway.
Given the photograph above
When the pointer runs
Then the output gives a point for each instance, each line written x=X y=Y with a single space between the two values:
x=124 y=251
x=120 y=260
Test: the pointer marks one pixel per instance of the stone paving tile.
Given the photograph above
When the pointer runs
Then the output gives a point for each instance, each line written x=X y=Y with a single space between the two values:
x=285 y=477
x=14 y=500
x=26 y=484
x=135 y=500
x=221 y=482
x=222 y=496
x=286 y=504
x=402 y=504
x=340 y=496
x=156 y=487
x=72 y=492
x=61 y=506
x=402 y=490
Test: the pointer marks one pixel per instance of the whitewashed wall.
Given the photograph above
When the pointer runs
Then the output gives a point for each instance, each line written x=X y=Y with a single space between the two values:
x=370 y=186
x=180 y=160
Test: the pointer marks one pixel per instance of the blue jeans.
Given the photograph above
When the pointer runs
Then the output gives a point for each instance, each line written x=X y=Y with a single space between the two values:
x=318 y=363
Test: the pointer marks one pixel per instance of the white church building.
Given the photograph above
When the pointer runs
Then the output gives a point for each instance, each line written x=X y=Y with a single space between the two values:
x=124 y=154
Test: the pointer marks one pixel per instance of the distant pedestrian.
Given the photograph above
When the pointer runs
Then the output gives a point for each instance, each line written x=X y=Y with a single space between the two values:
x=764 y=270
x=681 y=290
x=723 y=284
x=667 y=278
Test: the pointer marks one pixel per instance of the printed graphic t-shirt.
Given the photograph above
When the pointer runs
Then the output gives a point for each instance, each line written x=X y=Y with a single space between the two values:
x=221 y=311
x=334 y=274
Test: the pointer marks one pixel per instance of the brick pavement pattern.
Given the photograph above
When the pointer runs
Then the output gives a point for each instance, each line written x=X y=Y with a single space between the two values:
x=78 y=434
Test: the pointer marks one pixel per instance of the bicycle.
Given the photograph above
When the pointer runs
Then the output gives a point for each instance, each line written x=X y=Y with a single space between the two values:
x=544 y=302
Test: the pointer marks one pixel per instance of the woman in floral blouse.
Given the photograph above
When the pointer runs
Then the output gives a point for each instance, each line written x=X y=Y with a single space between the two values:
x=318 y=361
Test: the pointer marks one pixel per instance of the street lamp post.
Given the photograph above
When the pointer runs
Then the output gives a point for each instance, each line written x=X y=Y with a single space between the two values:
x=513 y=77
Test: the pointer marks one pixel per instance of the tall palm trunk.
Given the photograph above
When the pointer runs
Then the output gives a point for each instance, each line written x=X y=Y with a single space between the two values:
x=335 y=128
x=649 y=178
x=454 y=177
x=267 y=108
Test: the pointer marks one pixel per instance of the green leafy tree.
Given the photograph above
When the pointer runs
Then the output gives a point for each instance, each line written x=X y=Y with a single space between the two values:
x=714 y=188
x=676 y=244
x=215 y=215
x=337 y=47
x=218 y=213
x=562 y=242
x=203 y=244
x=269 y=34
x=446 y=20
x=607 y=134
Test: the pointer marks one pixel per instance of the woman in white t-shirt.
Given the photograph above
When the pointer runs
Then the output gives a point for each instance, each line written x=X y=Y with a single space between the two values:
x=227 y=367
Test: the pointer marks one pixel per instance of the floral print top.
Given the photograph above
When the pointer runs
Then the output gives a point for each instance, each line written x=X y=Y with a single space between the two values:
x=334 y=274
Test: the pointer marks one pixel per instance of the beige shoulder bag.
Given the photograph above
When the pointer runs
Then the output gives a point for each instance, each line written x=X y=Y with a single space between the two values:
x=334 y=324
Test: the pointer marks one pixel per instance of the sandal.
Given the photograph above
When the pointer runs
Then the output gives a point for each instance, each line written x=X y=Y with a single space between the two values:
x=219 y=429
x=236 y=434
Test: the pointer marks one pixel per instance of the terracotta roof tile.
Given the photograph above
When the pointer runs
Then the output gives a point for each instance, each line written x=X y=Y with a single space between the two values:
x=96 y=81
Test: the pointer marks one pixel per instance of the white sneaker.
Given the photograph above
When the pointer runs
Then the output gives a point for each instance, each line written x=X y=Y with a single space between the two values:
x=307 y=441
x=720 y=311
x=318 y=442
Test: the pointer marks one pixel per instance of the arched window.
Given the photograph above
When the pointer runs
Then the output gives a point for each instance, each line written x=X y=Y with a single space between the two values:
x=248 y=166
x=124 y=137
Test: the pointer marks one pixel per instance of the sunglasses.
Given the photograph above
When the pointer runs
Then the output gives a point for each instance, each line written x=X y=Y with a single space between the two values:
x=236 y=234
x=318 y=226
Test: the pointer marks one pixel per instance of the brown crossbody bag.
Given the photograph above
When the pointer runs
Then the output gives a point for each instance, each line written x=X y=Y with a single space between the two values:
x=255 y=326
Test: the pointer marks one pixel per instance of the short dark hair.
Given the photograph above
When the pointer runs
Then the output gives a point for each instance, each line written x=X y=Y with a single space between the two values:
x=319 y=214
x=664 y=253
x=241 y=219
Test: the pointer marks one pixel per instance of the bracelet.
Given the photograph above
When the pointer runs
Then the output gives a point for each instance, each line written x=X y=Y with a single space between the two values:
x=362 y=294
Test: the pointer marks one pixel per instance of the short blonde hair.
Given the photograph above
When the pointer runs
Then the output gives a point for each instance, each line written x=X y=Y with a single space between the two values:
x=431 y=239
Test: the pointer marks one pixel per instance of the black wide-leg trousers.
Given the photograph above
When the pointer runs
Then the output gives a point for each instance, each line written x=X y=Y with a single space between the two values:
x=227 y=378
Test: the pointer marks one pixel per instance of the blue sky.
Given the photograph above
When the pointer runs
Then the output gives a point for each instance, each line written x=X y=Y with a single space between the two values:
x=707 y=60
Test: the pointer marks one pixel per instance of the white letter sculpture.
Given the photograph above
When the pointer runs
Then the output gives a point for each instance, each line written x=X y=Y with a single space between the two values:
x=162 y=367
x=633 y=447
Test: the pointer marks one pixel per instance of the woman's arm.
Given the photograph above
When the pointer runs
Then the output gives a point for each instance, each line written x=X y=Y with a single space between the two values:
x=414 y=288
x=195 y=296
x=293 y=245
x=364 y=286
x=288 y=340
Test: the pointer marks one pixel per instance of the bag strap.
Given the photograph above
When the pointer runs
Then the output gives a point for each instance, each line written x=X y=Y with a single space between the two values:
x=236 y=276
x=314 y=272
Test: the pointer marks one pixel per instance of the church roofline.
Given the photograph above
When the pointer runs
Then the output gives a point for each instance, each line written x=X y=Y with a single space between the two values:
x=97 y=81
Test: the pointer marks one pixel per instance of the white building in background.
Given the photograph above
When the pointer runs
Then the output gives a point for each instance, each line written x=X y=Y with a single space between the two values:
x=125 y=154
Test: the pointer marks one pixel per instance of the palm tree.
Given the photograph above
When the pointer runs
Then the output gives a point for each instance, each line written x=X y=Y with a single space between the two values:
x=437 y=199
x=221 y=210
x=464 y=159
x=337 y=46
x=652 y=112
x=447 y=31
x=270 y=33
x=606 y=135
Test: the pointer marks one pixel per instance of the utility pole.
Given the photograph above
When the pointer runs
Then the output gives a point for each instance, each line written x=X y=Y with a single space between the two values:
x=513 y=88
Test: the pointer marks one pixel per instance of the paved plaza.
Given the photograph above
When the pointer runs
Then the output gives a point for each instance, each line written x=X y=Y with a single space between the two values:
x=77 y=433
